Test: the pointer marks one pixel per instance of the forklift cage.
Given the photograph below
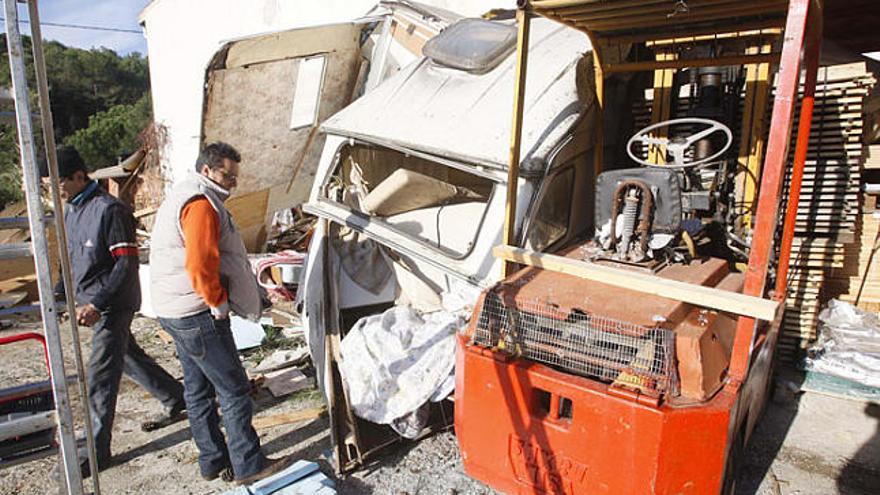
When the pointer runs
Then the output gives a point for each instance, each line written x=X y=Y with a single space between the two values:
x=611 y=24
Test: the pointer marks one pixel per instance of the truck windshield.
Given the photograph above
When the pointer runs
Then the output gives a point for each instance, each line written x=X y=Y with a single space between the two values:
x=436 y=204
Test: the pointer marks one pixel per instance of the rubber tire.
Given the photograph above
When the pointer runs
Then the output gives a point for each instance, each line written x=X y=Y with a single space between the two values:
x=733 y=464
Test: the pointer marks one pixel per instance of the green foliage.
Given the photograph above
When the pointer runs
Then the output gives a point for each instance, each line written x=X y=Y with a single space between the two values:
x=87 y=88
x=10 y=172
x=83 y=82
x=111 y=133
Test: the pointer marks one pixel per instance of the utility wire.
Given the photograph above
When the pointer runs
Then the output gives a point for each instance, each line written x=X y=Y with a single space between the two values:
x=79 y=26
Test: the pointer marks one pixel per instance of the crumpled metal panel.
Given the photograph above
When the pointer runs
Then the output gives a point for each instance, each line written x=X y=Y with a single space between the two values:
x=448 y=112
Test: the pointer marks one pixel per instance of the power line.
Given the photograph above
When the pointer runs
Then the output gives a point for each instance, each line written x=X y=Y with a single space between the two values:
x=80 y=26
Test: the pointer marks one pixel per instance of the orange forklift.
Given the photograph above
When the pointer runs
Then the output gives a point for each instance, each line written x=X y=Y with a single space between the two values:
x=638 y=360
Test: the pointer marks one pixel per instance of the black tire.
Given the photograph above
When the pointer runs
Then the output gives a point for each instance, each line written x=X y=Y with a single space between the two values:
x=733 y=464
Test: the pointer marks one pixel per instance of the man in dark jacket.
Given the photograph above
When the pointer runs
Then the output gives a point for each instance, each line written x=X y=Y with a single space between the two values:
x=104 y=263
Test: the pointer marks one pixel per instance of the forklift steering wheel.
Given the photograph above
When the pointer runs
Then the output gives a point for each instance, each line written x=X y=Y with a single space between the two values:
x=677 y=146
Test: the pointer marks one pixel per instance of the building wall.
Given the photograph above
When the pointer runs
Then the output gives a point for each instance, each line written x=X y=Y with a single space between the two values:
x=183 y=35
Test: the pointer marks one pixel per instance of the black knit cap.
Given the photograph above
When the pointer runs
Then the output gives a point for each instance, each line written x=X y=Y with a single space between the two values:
x=69 y=162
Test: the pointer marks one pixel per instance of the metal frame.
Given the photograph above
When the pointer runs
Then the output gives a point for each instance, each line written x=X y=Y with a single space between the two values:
x=796 y=38
x=36 y=219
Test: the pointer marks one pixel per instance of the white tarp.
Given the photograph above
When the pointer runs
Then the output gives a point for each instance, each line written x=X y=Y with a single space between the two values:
x=395 y=362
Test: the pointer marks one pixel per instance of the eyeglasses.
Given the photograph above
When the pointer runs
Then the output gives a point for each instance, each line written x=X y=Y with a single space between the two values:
x=227 y=176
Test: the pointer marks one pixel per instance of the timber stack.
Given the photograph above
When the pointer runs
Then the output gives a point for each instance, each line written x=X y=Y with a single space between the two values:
x=833 y=234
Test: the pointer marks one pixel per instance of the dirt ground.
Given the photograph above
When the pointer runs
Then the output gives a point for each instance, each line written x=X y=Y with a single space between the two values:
x=805 y=444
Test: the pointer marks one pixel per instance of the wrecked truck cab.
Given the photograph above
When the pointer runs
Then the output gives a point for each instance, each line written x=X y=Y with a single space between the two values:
x=410 y=194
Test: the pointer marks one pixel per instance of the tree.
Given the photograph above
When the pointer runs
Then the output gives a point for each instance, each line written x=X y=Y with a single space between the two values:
x=111 y=133
x=86 y=88
x=10 y=172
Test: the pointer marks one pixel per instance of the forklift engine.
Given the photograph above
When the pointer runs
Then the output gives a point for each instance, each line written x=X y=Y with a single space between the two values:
x=677 y=205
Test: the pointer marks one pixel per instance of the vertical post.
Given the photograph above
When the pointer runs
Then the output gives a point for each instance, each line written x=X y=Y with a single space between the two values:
x=31 y=179
x=60 y=231
x=523 y=20
x=599 y=129
x=661 y=107
x=771 y=180
x=752 y=135
x=811 y=62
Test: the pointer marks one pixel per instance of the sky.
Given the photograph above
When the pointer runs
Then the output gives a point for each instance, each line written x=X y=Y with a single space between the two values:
x=118 y=14
x=121 y=14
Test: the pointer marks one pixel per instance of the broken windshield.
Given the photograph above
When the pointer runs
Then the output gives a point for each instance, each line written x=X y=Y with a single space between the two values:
x=440 y=206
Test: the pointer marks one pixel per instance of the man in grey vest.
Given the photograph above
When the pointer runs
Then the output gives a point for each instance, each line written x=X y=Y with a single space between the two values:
x=200 y=272
x=104 y=262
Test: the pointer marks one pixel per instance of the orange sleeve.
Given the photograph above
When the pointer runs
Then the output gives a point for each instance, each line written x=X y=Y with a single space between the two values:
x=201 y=240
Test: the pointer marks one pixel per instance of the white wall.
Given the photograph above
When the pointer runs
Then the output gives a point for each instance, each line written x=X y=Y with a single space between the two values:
x=183 y=35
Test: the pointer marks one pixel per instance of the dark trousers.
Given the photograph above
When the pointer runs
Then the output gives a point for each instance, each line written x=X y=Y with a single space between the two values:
x=212 y=372
x=115 y=351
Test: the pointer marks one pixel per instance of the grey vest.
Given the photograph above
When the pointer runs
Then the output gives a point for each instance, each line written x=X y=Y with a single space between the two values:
x=172 y=292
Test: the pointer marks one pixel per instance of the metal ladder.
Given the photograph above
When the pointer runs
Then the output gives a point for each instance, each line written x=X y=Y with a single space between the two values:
x=39 y=247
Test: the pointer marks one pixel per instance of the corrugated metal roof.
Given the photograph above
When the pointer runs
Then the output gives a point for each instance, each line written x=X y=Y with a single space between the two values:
x=447 y=112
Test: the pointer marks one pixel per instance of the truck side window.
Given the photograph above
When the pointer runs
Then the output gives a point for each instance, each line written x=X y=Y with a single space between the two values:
x=550 y=223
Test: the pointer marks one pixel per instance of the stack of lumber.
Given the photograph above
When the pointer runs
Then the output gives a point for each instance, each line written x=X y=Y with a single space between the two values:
x=830 y=225
x=859 y=276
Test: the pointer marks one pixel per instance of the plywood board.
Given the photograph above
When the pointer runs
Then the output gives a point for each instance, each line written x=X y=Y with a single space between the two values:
x=249 y=213
x=249 y=103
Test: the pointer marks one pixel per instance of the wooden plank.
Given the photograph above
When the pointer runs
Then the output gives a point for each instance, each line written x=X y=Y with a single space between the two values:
x=249 y=213
x=284 y=418
x=722 y=300
x=9 y=299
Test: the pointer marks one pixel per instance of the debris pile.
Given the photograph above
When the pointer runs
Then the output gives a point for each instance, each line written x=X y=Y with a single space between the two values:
x=291 y=229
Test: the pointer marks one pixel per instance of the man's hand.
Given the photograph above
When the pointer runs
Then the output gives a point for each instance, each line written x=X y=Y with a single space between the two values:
x=221 y=312
x=87 y=315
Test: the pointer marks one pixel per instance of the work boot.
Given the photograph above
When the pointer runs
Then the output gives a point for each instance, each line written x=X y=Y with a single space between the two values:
x=224 y=473
x=166 y=418
x=270 y=467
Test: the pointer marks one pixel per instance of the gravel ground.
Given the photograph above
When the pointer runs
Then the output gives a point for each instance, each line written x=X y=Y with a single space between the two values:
x=164 y=461
x=806 y=444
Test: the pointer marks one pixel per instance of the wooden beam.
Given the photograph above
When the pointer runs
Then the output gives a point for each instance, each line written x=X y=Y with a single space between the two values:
x=288 y=417
x=698 y=295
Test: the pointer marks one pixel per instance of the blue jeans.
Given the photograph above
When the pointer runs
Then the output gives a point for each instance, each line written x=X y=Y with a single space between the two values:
x=212 y=371
x=115 y=351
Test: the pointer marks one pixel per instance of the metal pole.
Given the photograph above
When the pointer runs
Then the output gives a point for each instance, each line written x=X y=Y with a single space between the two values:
x=771 y=180
x=72 y=475
x=60 y=231
x=811 y=63
x=523 y=20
